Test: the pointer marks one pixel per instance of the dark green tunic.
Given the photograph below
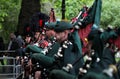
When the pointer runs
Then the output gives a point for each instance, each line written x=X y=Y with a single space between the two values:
x=48 y=59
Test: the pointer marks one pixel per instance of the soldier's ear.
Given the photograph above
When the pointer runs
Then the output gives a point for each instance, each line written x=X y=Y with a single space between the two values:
x=67 y=31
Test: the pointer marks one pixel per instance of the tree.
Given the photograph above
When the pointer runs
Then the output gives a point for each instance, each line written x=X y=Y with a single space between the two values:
x=109 y=16
x=110 y=13
x=9 y=11
x=72 y=7
x=28 y=8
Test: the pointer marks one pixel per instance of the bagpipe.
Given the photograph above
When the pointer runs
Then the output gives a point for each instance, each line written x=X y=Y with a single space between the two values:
x=77 y=21
x=85 y=67
x=59 y=54
x=45 y=50
x=107 y=73
x=64 y=72
x=88 y=15
x=45 y=45
x=114 y=44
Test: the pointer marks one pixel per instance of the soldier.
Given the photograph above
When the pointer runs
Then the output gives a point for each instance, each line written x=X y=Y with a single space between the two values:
x=36 y=26
x=64 y=75
x=96 y=67
x=109 y=37
x=37 y=23
x=68 y=51
x=34 y=47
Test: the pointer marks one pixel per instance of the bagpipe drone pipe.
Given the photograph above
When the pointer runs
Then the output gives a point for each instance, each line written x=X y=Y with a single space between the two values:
x=88 y=15
x=88 y=19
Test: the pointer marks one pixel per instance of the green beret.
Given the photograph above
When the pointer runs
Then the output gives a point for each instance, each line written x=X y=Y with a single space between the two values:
x=59 y=26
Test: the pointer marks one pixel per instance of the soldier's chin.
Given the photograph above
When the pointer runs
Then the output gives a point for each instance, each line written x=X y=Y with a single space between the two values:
x=60 y=40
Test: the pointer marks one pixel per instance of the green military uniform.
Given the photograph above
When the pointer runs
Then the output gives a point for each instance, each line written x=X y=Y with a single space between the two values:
x=70 y=54
x=97 y=43
x=105 y=54
x=48 y=59
x=33 y=49
x=37 y=22
x=95 y=72
x=108 y=58
x=73 y=52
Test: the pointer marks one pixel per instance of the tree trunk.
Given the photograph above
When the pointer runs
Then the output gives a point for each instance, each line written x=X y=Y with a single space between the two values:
x=28 y=8
x=63 y=9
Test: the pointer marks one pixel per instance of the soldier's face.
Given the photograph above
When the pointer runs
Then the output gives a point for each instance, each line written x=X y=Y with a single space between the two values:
x=61 y=36
x=37 y=34
x=50 y=33
x=28 y=39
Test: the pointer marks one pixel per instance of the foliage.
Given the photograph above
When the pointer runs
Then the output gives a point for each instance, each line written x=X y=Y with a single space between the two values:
x=110 y=13
x=72 y=7
x=109 y=16
x=9 y=10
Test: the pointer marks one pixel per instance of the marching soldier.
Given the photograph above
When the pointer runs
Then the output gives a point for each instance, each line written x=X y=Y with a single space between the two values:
x=36 y=27
x=37 y=23
x=97 y=69
x=68 y=51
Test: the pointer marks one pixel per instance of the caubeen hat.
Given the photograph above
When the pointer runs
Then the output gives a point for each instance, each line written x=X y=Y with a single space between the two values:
x=59 y=26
